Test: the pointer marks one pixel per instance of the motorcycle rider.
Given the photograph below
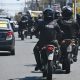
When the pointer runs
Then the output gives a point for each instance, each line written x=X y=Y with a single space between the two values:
x=18 y=19
x=48 y=28
x=70 y=29
x=23 y=24
x=78 y=20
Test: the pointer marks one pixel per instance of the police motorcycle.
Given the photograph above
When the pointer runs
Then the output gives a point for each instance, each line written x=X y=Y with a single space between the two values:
x=28 y=31
x=24 y=29
x=23 y=32
x=67 y=55
x=29 y=28
x=50 y=60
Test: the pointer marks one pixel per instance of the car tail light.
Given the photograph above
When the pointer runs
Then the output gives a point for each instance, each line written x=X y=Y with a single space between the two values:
x=9 y=35
x=50 y=48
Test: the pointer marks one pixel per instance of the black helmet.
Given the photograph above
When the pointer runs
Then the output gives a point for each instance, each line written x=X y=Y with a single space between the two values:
x=48 y=14
x=57 y=14
x=67 y=12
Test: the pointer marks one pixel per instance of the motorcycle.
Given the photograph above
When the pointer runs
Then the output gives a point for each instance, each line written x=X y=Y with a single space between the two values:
x=22 y=34
x=28 y=32
x=67 y=55
x=50 y=59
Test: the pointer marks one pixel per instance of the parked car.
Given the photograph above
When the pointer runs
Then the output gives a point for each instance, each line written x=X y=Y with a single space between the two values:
x=7 y=38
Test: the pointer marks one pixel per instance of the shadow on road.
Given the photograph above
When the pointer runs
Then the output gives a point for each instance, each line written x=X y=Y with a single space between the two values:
x=33 y=65
x=59 y=71
x=30 y=65
x=18 y=40
x=38 y=78
x=4 y=54
x=31 y=42
x=28 y=78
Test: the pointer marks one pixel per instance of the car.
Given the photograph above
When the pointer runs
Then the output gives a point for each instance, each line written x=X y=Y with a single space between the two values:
x=14 y=25
x=7 y=38
x=5 y=17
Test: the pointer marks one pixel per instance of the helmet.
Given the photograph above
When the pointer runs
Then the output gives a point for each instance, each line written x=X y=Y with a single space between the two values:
x=57 y=14
x=24 y=19
x=48 y=14
x=67 y=12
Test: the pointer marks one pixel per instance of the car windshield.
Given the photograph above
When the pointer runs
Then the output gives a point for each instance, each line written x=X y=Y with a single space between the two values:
x=3 y=24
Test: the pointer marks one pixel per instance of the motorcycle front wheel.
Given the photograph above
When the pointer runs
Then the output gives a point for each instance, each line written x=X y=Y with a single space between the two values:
x=22 y=37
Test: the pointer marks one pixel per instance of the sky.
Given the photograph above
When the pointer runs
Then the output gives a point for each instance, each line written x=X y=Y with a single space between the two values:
x=12 y=6
x=11 y=1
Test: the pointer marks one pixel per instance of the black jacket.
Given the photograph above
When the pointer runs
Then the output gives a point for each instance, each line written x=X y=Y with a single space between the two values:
x=48 y=30
x=69 y=27
x=23 y=22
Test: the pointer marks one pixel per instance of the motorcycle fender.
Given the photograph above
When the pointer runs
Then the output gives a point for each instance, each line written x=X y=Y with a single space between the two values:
x=50 y=56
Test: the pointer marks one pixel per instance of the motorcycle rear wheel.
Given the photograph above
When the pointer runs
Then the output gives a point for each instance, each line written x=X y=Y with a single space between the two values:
x=22 y=37
x=66 y=65
x=50 y=70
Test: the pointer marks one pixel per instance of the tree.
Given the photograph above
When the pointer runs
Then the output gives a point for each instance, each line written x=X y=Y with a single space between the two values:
x=62 y=2
x=47 y=2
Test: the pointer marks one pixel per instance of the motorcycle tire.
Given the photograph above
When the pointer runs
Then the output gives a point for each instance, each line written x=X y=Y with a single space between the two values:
x=22 y=37
x=30 y=36
x=25 y=34
x=66 y=65
x=49 y=71
x=67 y=68
x=44 y=73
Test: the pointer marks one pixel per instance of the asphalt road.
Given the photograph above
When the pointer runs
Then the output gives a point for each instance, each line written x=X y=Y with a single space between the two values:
x=21 y=66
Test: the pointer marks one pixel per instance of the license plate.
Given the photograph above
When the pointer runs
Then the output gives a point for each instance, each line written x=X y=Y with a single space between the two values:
x=50 y=56
x=69 y=48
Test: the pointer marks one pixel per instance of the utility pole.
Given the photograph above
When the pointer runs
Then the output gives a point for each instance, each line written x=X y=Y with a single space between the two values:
x=38 y=8
x=25 y=3
x=75 y=9
x=50 y=3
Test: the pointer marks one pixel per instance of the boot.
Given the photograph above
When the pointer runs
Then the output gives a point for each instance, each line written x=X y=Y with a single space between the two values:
x=49 y=77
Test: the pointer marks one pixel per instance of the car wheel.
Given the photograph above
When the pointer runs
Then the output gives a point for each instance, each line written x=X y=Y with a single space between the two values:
x=12 y=52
